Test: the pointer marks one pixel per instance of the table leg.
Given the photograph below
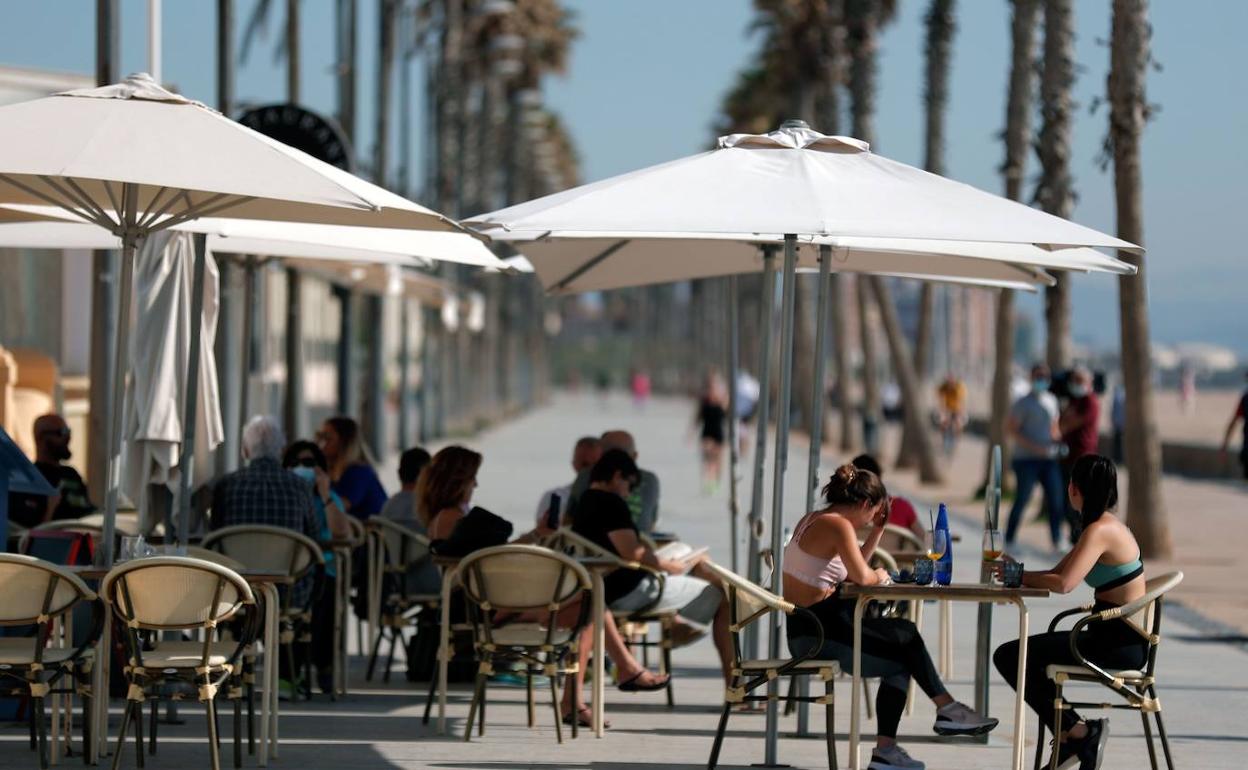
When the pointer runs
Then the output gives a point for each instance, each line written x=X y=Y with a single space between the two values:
x=275 y=703
x=339 y=656
x=855 y=710
x=946 y=640
x=374 y=593
x=600 y=619
x=348 y=569
x=269 y=698
x=444 y=645
x=915 y=611
x=1020 y=707
x=99 y=698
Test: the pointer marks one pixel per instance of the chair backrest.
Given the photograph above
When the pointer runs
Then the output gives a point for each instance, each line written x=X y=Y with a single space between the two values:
x=35 y=591
x=174 y=592
x=216 y=557
x=1144 y=614
x=401 y=547
x=521 y=577
x=883 y=559
x=358 y=532
x=747 y=602
x=271 y=549
x=58 y=546
x=568 y=542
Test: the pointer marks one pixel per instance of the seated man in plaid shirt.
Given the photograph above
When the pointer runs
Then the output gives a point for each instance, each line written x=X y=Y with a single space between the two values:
x=263 y=492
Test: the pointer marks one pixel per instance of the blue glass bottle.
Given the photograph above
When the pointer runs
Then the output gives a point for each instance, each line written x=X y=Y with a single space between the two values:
x=944 y=565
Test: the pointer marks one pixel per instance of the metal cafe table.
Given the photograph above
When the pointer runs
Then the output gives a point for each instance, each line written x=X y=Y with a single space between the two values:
x=977 y=593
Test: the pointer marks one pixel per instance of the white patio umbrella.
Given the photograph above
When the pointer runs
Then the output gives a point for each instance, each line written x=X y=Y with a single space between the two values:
x=156 y=399
x=793 y=183
x=135 y=159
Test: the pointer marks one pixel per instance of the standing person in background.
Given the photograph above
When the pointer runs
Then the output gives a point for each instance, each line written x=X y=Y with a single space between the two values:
x=952 y=400
x=748 y=392
x=1080 y=424
x=1240 y=416
x=1118 y=417
x=1187 y=388
x=401 y=507
x=1032 y=425
x=639 y=383
x=352 y=474
x=712 y=412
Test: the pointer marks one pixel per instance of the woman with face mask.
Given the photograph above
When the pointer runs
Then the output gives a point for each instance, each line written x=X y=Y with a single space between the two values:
x=1033 y=429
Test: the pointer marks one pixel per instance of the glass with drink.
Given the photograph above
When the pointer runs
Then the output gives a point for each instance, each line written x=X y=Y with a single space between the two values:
x=993 y=547
x=937 y=541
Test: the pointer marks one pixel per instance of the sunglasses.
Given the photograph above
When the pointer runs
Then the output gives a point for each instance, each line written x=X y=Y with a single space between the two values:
x=306 y=462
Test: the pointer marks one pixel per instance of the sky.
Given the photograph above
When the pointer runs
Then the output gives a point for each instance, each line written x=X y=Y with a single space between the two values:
x=646 y=77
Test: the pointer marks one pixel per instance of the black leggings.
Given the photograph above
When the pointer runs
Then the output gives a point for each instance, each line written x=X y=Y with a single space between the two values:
x=1110 y=644
x=892 y=649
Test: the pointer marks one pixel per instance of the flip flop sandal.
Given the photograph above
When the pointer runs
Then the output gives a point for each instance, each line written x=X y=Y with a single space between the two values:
x=632 y=684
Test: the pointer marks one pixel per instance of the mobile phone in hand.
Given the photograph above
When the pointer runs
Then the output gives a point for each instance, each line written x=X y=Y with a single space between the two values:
x=552 y=512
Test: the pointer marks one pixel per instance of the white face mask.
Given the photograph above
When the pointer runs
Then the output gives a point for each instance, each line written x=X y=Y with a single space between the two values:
x=1078 y=391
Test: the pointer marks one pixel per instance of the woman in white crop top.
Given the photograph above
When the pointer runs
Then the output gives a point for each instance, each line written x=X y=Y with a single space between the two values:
x=823 y=553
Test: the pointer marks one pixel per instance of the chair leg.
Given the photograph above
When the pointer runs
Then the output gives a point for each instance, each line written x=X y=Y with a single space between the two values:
x=251 y=715
x=214 y=749
x=528 y=687
x=829 y=722
x=554 y=700
x=1161 y=732
x=41 y=730
x=433 y=690
x=1148 y=740
x=790 y=700
x=138 y=732
x=394 y=642
x=121 y=733
x=665 y=641
x=151 y=738
x=87 y=735
x=1057 y=727
x=289 y=651
x=719 y=736
x=478 y=695
x=238 y=733
x=867 y=699
x=1039 y=744
x=372 y=658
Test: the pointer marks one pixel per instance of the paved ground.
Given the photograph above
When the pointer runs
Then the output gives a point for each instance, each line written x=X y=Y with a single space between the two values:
x=1203 y=682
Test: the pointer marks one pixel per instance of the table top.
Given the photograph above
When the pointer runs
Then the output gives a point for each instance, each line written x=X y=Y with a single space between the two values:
x=955 y=591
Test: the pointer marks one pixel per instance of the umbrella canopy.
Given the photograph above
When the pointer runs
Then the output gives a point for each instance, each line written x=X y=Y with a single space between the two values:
x=790 y=181
x=157 y=391
x=177 y=159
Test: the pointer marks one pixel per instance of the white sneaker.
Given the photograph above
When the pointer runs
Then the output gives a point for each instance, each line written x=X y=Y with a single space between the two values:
x=893 y=758
x=960 y=719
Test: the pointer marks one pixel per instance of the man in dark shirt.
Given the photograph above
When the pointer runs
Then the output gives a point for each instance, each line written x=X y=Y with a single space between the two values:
x=602 y=516
x=642 y=499
x=51 y=451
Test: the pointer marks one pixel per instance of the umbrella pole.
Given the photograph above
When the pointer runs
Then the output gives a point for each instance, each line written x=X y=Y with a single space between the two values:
x=405 y=362
x=765 y=324
x=191 y=406
x=249 y=333
x=816 y=416
x=777 y=491
x=733 y=444
x=130 y=238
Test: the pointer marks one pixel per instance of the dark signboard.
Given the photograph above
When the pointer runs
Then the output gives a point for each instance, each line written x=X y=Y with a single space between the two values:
x=304 y=130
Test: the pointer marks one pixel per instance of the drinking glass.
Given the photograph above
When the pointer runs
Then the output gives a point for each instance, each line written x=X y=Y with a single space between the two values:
x=993 y=545
x=937 y=542
x=923 y=571
x=1012 y=574
x=132 y=547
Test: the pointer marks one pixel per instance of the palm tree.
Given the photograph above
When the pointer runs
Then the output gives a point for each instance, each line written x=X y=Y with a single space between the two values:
x=1128 y=112
x=1017 y=138
x=1055 y=192
x=940 y=26
x=287 y=45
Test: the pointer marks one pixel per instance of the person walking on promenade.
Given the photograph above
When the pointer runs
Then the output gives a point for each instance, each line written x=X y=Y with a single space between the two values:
x=1033 y=426
x=1239 y=417
x=1079 y=423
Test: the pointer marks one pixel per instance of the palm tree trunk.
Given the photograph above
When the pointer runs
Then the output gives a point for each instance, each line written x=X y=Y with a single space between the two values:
x=871 y=409
x=911 y=393
x=1129 y=61
x=940 y=30
x=292 y=51
x=1017 y=139
x=387 y=16
x=347 y=15
x=841 y=341
x=1055 y=193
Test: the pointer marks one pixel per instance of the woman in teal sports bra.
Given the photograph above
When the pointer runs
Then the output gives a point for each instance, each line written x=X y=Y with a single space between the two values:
x=1107 y=558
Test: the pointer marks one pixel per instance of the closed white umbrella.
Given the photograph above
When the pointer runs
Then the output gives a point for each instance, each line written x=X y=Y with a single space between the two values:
x=135 y=159
x=157 y=393
x=795 y=184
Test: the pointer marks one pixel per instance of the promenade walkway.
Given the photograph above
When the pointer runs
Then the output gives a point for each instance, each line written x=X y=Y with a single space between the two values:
x=1204 y=682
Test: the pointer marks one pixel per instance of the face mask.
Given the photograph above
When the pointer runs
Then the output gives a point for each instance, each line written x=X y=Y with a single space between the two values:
x=1078 y=391
x=1040 y=386
x=305 y=473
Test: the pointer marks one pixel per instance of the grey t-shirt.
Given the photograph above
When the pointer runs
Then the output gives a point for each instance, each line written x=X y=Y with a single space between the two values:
x=401 y=508
x=1035 y=414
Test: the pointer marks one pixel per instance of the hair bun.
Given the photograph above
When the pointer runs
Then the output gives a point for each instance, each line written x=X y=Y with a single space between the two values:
x=845 y=474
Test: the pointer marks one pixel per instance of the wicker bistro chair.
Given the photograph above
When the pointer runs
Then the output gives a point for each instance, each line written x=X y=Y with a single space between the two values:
x=174 y=593
x=277 y=549
x=634 y=626
x=747 y=604
x=526 y=579
x=396 y=551
x=1138 y=688
x=37 y=593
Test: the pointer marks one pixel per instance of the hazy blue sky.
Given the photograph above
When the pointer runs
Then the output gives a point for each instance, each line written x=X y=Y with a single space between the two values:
x=647 y=75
